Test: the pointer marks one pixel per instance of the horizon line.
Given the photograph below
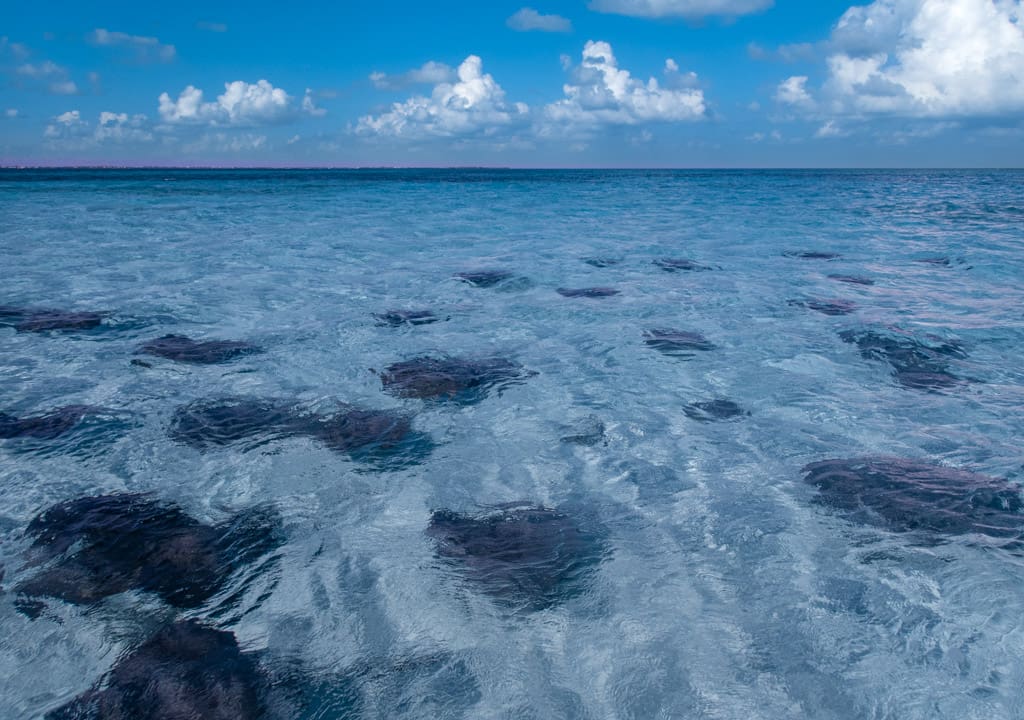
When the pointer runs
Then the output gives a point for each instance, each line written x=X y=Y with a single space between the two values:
x=502 y=167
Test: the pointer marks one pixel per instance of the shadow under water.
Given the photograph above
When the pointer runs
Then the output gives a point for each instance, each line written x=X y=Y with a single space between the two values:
x=525 y=556
x=906 y=495
x=95 y=547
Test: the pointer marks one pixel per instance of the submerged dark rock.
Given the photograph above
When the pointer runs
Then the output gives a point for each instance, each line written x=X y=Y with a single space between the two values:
x=942 y=261
x=94 y=547
x=601 y=262
x=678 y=343
x=590 y=292
x=677 y=264
x=398 y=318
x=446 y=378
x=826 y=307
x=224 y=421
x=906 y=495
x=712 y=410
x=811 y=255
x=484 y=278
x=186 y=671
x=586 y=431
x=205 y=352
x=915 y=363
x=41 y=319
x=524 y=555
x=47 y=426
x=852 y=279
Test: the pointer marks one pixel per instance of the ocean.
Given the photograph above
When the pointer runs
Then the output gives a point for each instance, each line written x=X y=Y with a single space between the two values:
x=602 y=391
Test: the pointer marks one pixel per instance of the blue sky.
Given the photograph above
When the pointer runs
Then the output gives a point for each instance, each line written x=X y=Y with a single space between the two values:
x=552 y=83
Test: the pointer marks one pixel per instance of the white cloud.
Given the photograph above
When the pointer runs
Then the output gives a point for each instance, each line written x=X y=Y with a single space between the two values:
x=829 y=129
x=527 y=19
x=41 y=70
x=430 y=73
x=69 y=131
x=309 y=106
x=146 y=49
x=63 y=87
x=475 y=104
x=119 y=127
x=11 y=112
x=793 y=91
x=17 y=50
x=224 y=143
x=928 y=58
x=690 y=9
x=603 y=94
x=242 y=104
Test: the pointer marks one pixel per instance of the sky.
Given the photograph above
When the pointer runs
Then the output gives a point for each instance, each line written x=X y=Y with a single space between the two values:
x=553 y=83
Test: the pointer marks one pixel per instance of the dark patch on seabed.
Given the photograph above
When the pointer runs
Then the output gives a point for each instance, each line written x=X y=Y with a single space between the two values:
x=590 y=292
x=525 y=556
x=95 y=547
x=917 y=363
x=460 y=380
x=712 y=410
x=43 y=319
x=907 y=495
x=199 y=352
x=47 y=426
x=376 y=435
x=677 y=264
x=398 y=318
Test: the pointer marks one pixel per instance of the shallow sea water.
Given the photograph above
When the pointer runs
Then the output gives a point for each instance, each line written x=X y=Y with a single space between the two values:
x=725 y=590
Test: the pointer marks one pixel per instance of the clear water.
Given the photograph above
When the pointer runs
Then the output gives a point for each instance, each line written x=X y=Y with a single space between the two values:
x=726 y=593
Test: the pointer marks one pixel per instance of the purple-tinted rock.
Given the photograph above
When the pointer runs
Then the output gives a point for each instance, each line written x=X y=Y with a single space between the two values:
x=99 y=546
x=42 y=319
x=915 y=363
x=590 y=292
x=445 y=378
x=204 y=352
x=912 y=495
x=47 y=426
x=524 y=555
x=185 y=672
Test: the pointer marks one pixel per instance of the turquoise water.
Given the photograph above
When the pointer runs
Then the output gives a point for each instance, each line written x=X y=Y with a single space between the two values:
x=724 y=590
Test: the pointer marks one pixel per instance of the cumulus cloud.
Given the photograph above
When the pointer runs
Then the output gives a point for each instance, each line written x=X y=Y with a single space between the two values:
x=793 y=91
x=145 y=49
x=11 y=113
x=430 y=73
x=53 y=75
x=689 y=9
x=474 y=104
x=527 y=19
x=242 y=104
x=17 y=50
x=119 y=127
x=928 y=58
x=69 y=130
x=309 y=105
x=603 y=93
